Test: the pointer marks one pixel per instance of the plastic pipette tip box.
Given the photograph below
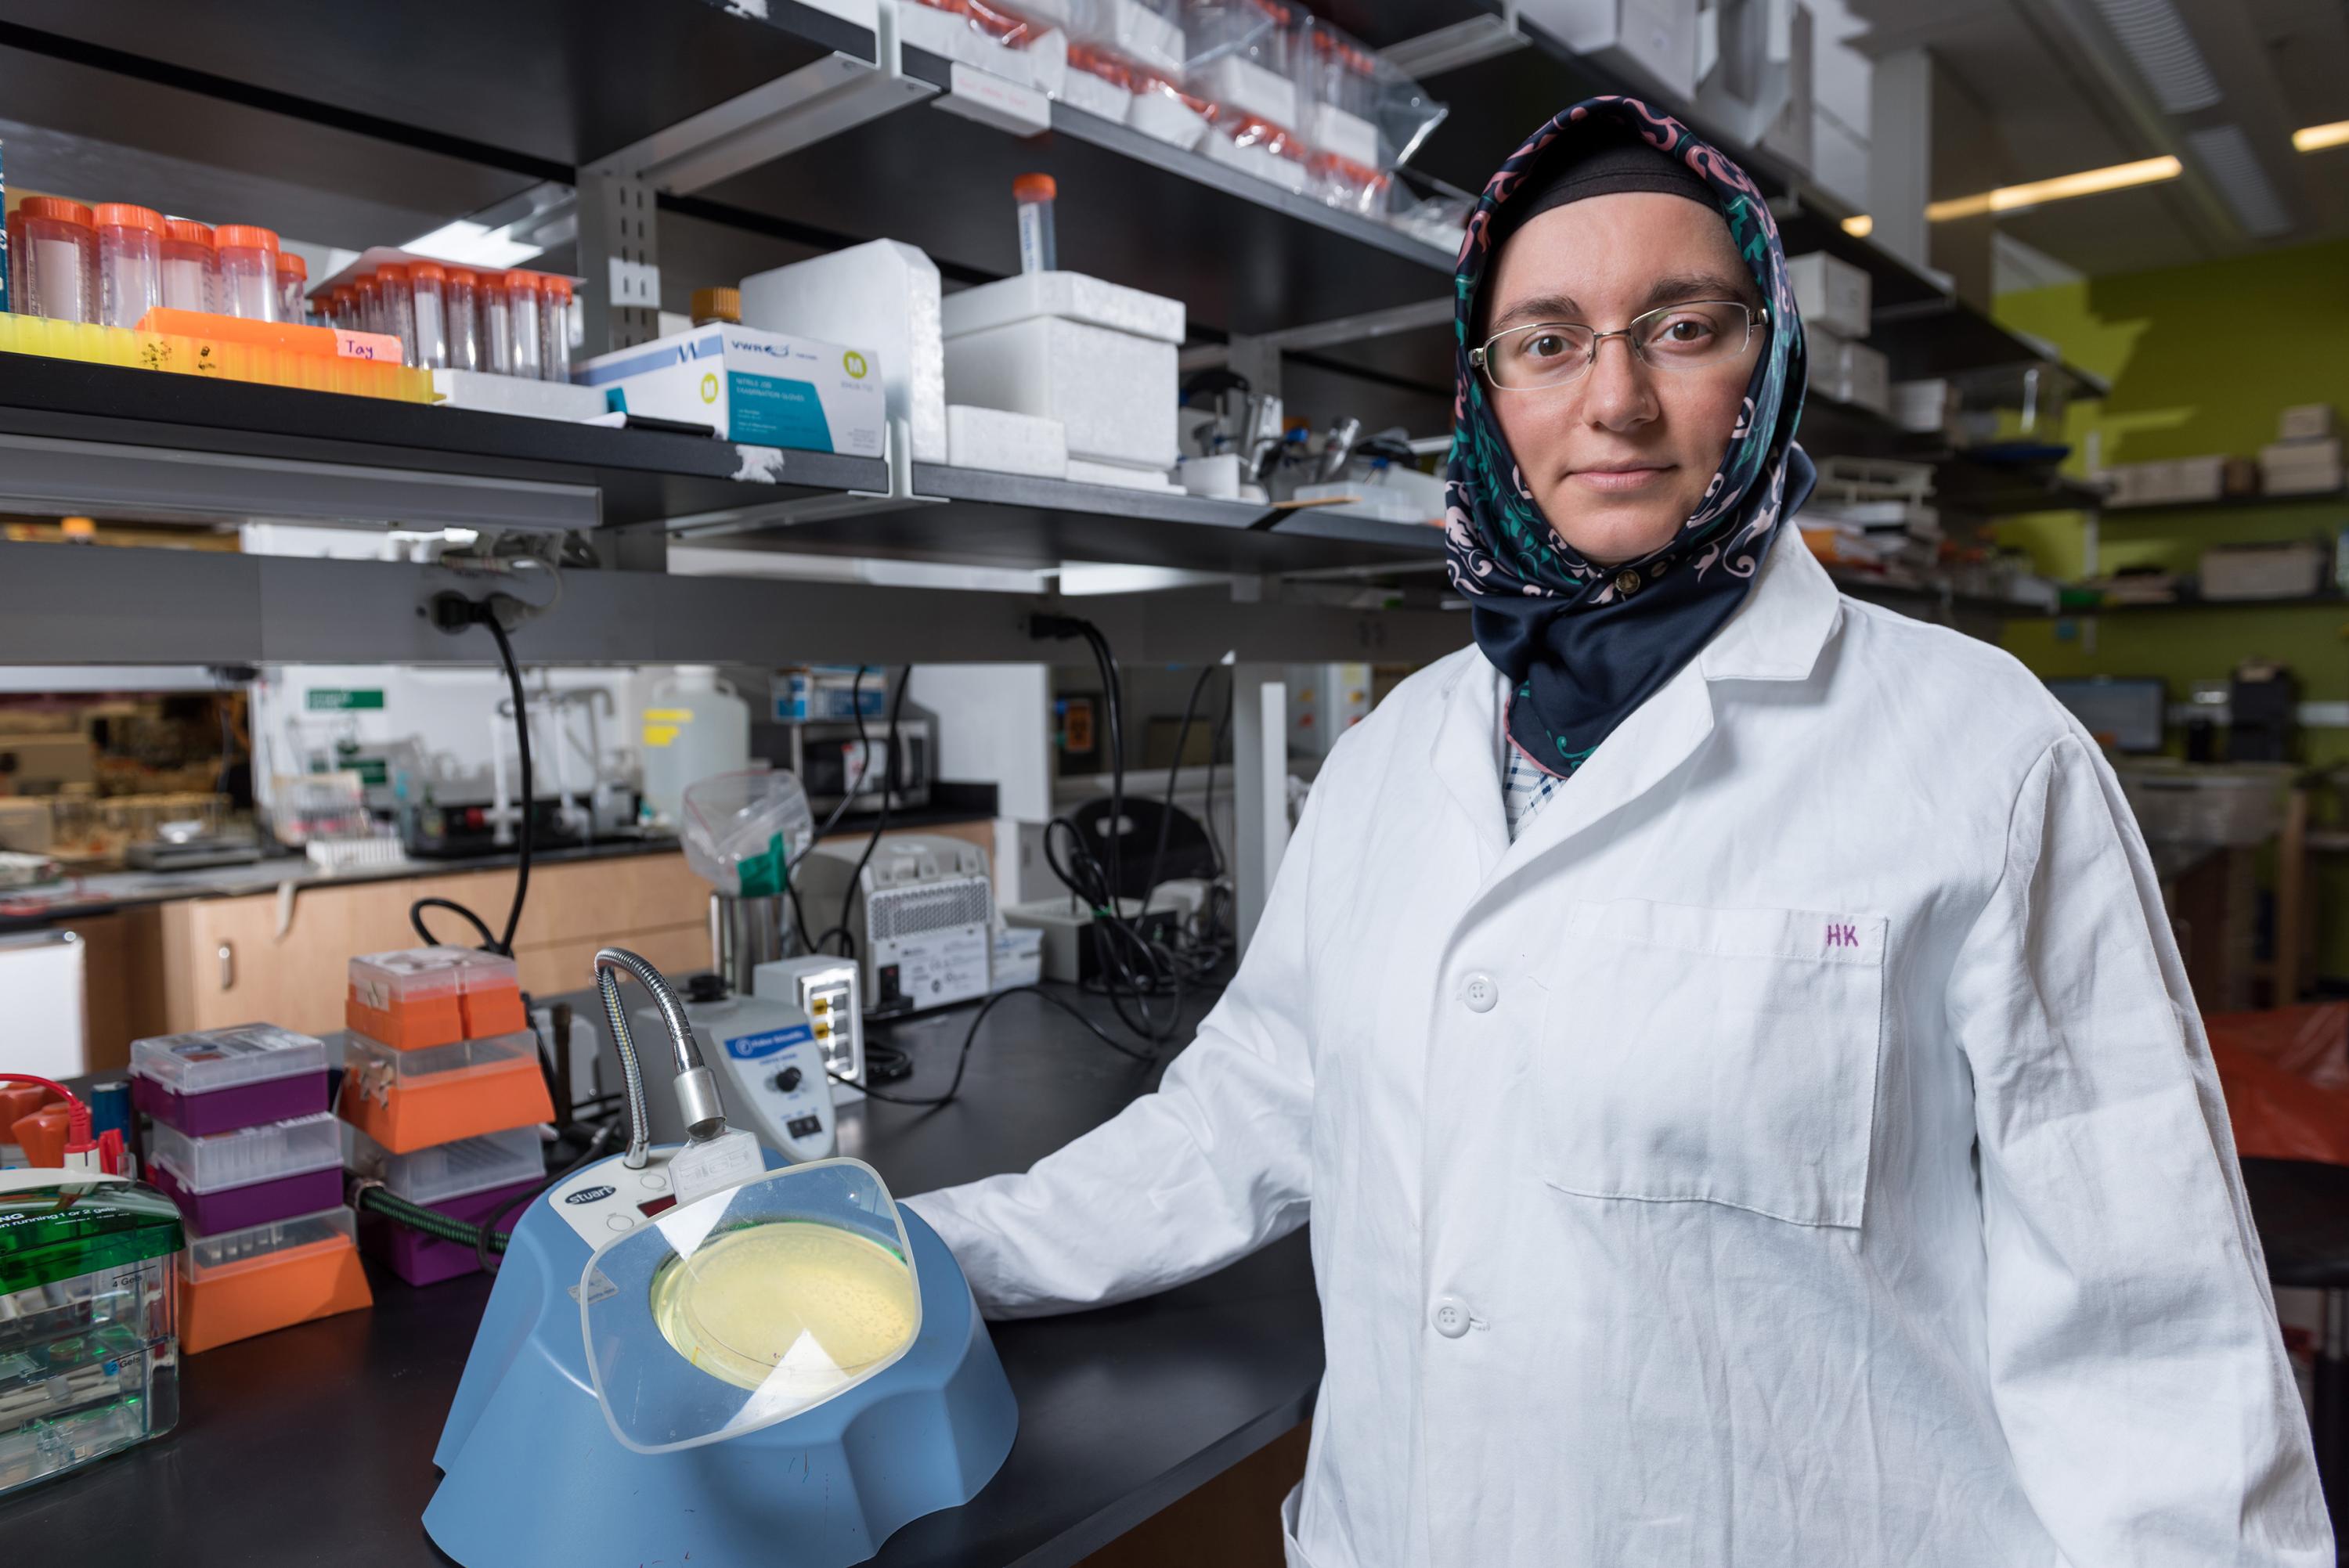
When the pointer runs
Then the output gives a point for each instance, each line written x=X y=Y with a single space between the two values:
x=407 y=1100
x=426 y=996
x=472 y=1179
x=217 y=1080
x=228 y=1181
x=250 y=1280
x=420 y=1259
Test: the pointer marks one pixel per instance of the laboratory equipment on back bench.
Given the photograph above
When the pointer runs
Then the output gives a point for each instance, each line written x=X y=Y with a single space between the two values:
x=768 y=1062
x=921 y=917
x=830 y=990
x=767 y=1366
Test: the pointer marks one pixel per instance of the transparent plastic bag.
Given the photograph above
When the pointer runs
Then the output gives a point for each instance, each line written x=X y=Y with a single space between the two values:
x=742 y=830
x=1358 y=118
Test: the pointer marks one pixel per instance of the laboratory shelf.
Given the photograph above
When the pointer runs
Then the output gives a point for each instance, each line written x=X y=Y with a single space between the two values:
x=1241 y=253
x=537 y=86
x=130 y=443
x=2226 y=504
x=1968 y=483
x=1007 y=520
x=2329 y=601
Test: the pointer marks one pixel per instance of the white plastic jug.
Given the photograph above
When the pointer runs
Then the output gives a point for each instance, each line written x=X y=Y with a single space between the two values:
x=695 y=726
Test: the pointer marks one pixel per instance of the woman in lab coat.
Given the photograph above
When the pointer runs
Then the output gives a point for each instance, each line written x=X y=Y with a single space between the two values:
x=1726 y=1036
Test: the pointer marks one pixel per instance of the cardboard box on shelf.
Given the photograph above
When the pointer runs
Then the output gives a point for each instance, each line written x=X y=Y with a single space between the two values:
x=2301 y=467
x=751 y=385
x=2307 y=422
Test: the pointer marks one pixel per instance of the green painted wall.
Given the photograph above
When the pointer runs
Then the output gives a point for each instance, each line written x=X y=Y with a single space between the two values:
x=2200 y=359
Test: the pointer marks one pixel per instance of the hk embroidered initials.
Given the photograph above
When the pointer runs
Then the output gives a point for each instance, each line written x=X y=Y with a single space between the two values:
x=1843 y=935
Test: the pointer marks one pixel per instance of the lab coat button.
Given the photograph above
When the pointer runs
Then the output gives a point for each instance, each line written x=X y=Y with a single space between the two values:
x=1451 y=1317
x=1480 y=992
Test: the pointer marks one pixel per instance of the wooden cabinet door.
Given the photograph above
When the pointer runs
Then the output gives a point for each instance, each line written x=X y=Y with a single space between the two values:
x=224 y=960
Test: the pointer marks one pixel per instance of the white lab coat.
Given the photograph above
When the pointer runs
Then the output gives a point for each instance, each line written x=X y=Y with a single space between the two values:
x=1800 y=1148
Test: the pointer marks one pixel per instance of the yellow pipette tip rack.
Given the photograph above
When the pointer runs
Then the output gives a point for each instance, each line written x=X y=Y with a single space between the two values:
x=217 y=358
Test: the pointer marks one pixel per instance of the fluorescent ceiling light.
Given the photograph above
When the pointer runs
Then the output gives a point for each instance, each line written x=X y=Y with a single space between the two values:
x=2154 y=37
x=2087 y=182
x=2308 y=138
x=1859 y=228
x=470 y=244
x=2224 y=153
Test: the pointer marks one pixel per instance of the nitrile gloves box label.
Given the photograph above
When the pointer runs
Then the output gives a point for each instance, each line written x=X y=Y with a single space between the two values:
x=751 y=385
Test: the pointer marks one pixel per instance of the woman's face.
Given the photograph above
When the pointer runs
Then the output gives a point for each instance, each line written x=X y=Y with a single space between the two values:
x=1619 y=459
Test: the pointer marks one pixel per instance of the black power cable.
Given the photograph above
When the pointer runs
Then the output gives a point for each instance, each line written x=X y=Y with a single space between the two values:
x=880 y=822
x=454 y=611
x=1173 y=769
x=962 y=1058
x=1131 y=968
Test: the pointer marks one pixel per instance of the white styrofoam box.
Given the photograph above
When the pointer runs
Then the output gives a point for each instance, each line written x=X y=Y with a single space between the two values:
x=2198 y=479
x=1114 y=391
x=1245 y=85
x=1258 y=160
x=1162 y=117
x=1072 y=296
x=1124 y=476
x=1866 y=377
x=753 y=386
x=1130 y=29
x=1658 y=36
x=513 y=394
x=2306 y=422
x=1006 y=443
x=1218 y=477
x=1830 y=293
x=1329 y=128
x=883 y=295
x=1096 y=96
x=2300 y=467
x=1927 y=405
x=2289 y=569
x=944 y=34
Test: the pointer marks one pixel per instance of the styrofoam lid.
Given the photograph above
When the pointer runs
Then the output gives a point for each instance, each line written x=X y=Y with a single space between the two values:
x=1071 y=296
x=449 y=1171
x=250 y=1154
x=207 y=1059
x=233 y=1251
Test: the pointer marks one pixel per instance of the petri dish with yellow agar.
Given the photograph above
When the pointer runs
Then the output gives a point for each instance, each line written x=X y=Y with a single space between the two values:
x=808 y=1303
x=749 y=1306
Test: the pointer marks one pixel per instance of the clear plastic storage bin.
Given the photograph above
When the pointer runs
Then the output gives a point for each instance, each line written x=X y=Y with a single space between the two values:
x=88 y=1326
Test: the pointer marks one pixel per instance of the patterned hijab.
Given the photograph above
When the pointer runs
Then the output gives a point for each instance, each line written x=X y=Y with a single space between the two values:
x=1584 y=644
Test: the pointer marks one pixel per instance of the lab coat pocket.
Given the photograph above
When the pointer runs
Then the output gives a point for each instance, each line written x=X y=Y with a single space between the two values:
x=1719 y=1055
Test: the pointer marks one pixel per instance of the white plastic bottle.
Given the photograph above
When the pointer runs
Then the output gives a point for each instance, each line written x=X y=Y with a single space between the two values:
x=694 y=727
